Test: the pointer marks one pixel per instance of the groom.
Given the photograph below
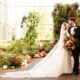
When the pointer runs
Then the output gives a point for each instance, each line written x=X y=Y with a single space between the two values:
x=75 y=32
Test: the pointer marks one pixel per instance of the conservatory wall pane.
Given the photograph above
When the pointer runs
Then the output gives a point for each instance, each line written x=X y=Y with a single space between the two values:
x=9 y=31
x=12 y=11
x=11 y=15
x=0 y=32
x=11 y=2
x=0 y=13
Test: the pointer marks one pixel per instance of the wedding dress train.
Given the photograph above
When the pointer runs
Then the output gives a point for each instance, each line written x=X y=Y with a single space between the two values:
x=56 y=63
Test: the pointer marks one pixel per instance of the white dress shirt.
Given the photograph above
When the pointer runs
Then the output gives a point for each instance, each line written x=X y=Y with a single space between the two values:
x=72 y=30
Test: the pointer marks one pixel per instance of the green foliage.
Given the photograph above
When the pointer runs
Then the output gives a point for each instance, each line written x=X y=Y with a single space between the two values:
x=46 y=46
x=24 y=19
x=78 y=21
x=4 y=59
x=61 y=13
x=10 y=59
x=15 y=61
x=78 y=18
x=32 y=22
x=29 y=40
x=16 y=47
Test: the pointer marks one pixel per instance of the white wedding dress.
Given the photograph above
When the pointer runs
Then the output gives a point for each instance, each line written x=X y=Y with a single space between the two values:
x=56 y=63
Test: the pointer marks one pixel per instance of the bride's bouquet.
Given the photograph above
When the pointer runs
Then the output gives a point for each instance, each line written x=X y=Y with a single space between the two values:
x=69 y=43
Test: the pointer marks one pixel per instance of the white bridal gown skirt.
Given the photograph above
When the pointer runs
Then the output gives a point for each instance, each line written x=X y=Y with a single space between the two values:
x=56 y=63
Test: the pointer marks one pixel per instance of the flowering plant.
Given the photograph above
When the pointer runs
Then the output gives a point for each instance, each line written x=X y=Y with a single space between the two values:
x=15 y=61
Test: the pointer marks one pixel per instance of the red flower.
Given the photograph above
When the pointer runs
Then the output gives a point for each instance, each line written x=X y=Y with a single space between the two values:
x=15 y=61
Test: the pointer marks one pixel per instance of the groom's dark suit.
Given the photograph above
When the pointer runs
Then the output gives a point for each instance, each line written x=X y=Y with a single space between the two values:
x=76 y=50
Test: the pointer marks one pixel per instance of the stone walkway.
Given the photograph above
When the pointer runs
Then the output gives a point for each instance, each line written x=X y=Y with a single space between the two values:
x=34 y=61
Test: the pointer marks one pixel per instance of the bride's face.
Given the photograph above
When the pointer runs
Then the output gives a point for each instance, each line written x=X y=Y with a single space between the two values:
x=66 y=25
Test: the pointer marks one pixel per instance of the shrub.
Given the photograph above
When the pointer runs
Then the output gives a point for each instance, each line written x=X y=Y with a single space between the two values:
x=4 y=59
x=9 y=59
x=16 y=47
x=32 y=50
x=15 y=61
x=47 y=46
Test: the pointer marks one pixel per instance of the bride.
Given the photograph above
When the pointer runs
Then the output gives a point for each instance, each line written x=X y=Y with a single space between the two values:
x=56 y=63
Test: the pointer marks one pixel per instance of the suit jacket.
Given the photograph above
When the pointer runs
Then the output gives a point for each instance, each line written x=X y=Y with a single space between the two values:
x=76 y=35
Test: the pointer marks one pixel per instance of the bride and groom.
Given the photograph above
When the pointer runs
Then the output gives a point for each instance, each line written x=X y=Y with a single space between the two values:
x=58 y=61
